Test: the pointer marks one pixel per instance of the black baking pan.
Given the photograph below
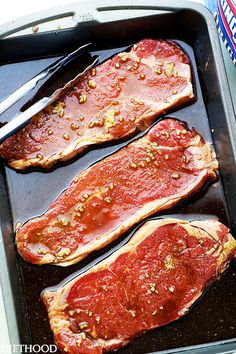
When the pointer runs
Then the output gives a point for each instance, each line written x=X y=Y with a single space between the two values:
x=210 y=327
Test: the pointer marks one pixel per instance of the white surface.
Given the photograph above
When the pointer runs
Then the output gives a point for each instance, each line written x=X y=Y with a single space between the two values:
x=13 y=9
x=4 y=337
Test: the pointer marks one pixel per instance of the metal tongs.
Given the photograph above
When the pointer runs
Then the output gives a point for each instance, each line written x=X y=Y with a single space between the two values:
x=23 y=118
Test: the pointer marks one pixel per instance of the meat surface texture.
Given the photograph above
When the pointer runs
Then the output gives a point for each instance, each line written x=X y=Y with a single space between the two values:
x=149 y=282
x=151 y=174
x=118 y=98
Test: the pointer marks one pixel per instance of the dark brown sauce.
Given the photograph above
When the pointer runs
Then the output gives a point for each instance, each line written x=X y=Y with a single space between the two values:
x=31 y=193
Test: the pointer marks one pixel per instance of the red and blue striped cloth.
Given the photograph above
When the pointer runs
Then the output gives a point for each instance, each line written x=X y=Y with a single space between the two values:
x=224 y=12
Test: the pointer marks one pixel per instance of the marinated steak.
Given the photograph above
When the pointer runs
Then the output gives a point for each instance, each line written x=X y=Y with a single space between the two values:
x=150 y=174
x=149 y=282
x=119 y=97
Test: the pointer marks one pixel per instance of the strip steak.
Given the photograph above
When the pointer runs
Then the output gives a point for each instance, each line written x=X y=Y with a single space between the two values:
x=119 y=97
x=149 y=282
x=151 y=174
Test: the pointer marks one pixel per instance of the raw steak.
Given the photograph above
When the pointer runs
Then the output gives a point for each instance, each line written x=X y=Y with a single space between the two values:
x=119 y=97
x=149 y=282
x=151 y=174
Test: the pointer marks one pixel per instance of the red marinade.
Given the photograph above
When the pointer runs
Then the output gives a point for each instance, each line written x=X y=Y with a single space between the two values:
x=149 y=282
x=116 y=99
x=151 y=174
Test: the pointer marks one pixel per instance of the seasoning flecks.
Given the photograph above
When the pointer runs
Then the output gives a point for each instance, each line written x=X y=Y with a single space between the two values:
x=58 y=108
x=142 y=76
x=169 y=263
x=158 y=71
x=82 y=99
x=167 y=135
x=74 y=126
x=83 y=325
x=124 y=58
x=63 y=252
x=133 y=165
x=171 y=288
x=41 y=251
x=133 y=313
x=92 y=84
x=93 y=72
x=97 y=319
x=66 y=136
x=175 y=175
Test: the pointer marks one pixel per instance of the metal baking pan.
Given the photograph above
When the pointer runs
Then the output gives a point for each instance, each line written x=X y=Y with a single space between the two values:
x=210 y=326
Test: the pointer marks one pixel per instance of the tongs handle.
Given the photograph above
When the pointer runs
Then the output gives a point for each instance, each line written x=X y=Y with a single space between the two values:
x=31 y=84
x=23 y=118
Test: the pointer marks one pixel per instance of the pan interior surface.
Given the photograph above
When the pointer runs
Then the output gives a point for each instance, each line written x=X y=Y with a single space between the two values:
x=29 y=194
